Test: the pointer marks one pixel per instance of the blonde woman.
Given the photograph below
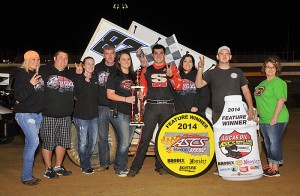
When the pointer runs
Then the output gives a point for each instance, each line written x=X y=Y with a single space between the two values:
x=29 y=88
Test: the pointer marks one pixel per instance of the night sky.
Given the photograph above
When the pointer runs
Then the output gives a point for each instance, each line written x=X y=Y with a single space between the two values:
x=47 y=26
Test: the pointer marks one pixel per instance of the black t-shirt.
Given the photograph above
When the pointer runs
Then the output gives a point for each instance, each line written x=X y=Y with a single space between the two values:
x=121 y=83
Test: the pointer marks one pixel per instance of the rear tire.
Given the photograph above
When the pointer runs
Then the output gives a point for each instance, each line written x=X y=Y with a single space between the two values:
x=95 y=163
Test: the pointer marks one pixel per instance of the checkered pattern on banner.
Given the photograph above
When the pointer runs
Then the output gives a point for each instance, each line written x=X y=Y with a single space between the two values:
x=173 y=52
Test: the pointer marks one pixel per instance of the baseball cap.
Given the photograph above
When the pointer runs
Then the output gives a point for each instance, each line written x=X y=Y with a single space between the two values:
x=223 y=48
x=30 y=54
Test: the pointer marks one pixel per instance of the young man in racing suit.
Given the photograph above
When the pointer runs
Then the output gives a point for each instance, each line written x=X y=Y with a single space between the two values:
x=160 y=81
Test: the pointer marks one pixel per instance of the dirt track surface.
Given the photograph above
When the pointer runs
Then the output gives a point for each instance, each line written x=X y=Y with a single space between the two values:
x=148 y=182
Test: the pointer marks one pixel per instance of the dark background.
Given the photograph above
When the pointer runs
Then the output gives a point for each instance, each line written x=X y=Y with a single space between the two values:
x=247 y=28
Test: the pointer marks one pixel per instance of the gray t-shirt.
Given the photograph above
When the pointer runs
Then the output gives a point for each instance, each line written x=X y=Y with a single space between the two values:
x=223 y=82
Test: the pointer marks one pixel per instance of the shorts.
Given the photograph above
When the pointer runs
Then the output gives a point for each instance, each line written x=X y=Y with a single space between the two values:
x=55 y=132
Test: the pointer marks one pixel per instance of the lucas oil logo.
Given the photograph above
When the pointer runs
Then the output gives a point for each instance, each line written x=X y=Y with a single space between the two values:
x=235 y=144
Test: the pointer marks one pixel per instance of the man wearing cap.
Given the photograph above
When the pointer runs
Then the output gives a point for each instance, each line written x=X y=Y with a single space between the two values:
x=224 y=80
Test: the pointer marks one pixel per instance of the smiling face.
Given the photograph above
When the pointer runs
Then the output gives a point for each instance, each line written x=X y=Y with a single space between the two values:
x=270 y=69
x=187 y=64
x=159 y=56
x=33 y=63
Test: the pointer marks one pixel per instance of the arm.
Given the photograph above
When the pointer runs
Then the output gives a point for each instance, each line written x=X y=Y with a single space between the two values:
x=175 y=78
x=144 y=81
x=23 y=88
x=111 y=94
x=248 y=97
x=199 y=81
x=279 y=106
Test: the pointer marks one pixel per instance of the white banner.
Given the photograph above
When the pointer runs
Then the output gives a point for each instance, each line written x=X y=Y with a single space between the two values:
x=108 y=33
x=153 y=37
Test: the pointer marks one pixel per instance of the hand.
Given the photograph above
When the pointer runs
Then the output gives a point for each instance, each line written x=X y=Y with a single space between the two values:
x=140 y=94
x=169 y=71
x=273 y=121
x=130 y=99
x=201 y=63
x=194 y=109
x=79 y=68
x=142 y=57
x=250 y=113
x=35 y=79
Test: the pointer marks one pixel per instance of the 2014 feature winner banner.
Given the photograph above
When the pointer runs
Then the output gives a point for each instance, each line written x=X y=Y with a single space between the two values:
x=185 y=145
x=108 y=33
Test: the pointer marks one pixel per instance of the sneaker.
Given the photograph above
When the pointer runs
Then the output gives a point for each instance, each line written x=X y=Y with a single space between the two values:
x=161 y=171
x=126 y=171
x=31 y=182
x=266 y=168
x=271 y=173
x=103 y=168
x=216 y=172
x=61 y=171
x=122 y=173
x=132 y=173
x=50 y=173
x=88 y=171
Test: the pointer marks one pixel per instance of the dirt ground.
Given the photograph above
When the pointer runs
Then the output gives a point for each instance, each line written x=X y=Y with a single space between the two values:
x=148 y=182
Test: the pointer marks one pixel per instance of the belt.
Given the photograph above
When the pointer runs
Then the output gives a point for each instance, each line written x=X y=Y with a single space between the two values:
x=160 y=101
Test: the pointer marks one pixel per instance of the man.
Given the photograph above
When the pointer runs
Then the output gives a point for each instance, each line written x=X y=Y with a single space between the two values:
x=57 y=111
x=224 y=80
x=102 y=71
x=160 y=81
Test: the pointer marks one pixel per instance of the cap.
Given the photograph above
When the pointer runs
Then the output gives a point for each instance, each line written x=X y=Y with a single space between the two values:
x=223 y=48
x=30 y=54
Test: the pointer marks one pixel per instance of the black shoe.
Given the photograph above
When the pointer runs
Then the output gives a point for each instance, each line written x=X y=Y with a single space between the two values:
x=36 y=179
x=103 y=168
x=50 y=173
x=132 y=173
x=161 y=171
x=61 y=171
x=31 y=182
x=88 y=171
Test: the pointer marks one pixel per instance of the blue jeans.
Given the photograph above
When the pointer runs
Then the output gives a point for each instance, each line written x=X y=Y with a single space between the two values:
x=273 y=141
x=103 y=122
x=124 y=133
x=30 y=124
x=87 y=132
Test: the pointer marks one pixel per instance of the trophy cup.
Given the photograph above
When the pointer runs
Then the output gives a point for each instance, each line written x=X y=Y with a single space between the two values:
x=137 y=118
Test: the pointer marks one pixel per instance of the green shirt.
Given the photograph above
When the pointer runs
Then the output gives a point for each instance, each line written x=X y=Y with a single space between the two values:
x=267 y=94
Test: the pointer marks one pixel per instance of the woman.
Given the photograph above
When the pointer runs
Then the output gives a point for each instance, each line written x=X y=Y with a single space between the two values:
x=190 y=98
x=29 y=92
x=119 y=90
x=86 y=113
x=270 y=96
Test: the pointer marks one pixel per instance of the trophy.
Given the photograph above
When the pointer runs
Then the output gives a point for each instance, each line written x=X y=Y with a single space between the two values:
x=137 y=118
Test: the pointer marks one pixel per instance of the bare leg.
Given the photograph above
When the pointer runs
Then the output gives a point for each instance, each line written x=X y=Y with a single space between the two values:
x=47 y=156
x=60 y=153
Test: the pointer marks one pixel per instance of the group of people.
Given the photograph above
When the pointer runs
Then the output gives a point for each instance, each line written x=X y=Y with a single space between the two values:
x=270 y=96
x=49 y=97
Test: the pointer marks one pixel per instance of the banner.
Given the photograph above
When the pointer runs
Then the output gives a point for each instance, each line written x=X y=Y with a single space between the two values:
x=173 y=52
x=108 y=33
x=153 y=37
